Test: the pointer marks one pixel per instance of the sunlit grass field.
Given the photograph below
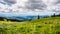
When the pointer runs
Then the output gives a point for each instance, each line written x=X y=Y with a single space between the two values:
x=37 y=26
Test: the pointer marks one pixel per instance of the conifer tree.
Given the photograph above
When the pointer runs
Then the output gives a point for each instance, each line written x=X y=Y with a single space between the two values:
x=38 y=17
x=54 y=15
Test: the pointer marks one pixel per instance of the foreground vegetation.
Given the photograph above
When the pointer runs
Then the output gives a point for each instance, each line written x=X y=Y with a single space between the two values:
x=39 y=26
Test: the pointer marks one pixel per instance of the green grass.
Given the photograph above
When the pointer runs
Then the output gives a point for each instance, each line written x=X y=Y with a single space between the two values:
x=38 y=26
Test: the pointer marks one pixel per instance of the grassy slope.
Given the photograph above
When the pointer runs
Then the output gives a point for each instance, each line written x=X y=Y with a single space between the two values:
x=41 y=26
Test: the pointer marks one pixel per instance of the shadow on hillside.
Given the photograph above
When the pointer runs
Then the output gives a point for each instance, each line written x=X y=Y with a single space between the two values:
x=13 y=20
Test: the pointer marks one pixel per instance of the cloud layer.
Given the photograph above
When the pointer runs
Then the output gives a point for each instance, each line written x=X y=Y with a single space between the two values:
x=30 y=7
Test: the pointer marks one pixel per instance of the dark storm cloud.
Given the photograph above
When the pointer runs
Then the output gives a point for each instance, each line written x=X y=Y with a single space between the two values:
x=36 y=4
x=10 y=1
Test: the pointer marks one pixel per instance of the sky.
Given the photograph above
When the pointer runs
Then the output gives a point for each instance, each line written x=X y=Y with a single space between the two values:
x=30 y=7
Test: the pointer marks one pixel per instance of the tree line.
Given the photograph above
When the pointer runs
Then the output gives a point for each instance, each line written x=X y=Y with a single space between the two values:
x=55 y=15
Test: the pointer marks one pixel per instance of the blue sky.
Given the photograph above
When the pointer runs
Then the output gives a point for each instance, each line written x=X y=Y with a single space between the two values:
x=30 y=7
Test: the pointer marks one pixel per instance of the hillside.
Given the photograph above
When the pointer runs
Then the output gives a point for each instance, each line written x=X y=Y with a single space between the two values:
x=39 y=26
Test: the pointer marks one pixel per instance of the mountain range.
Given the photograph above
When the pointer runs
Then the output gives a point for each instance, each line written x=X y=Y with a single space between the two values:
x=20 y=17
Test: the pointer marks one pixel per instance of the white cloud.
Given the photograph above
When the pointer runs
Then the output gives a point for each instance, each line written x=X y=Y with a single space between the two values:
x=41 y=7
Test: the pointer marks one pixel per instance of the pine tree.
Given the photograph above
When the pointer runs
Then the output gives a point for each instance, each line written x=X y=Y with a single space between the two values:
x=38 y=17
x=59 y=14
x=54 y=15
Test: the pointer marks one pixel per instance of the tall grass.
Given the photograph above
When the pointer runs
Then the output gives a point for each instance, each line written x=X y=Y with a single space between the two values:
x=38 y=26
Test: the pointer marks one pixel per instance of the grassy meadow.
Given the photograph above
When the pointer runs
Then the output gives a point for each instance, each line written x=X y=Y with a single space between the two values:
x=49 y=25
